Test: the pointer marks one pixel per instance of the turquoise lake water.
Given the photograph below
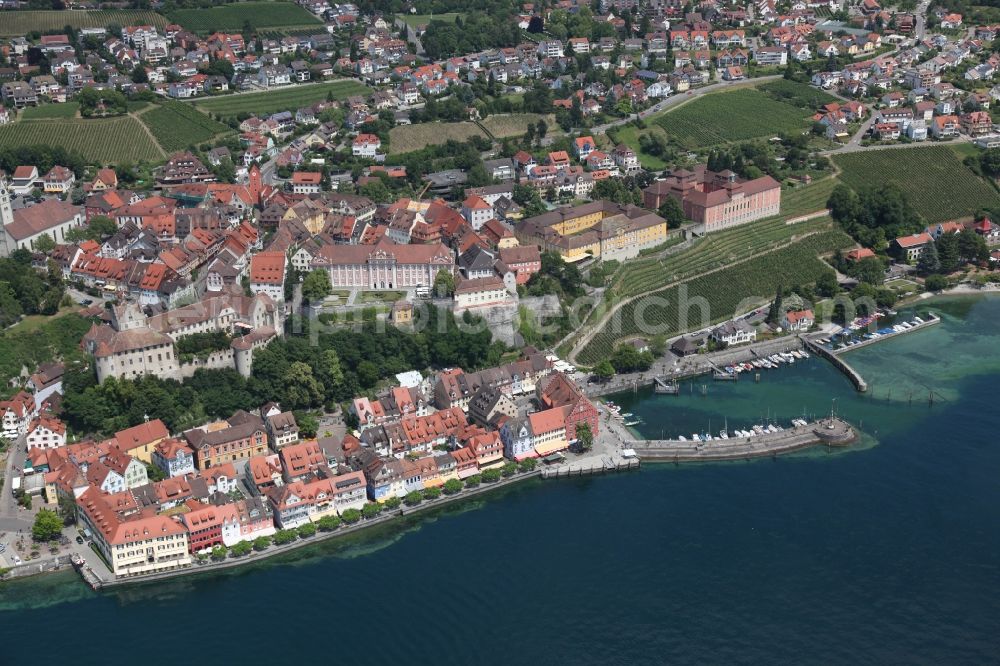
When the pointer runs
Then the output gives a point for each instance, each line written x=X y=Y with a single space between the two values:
x=888 y=552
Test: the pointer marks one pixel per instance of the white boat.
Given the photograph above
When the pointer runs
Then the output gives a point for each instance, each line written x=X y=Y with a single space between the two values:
x=695 y=437
x=723 y=434
x=918 y=320
x=682 y=438
x=627 y=414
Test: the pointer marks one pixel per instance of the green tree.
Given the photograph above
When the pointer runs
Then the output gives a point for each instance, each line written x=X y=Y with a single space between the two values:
x=67 y=510
x=936 y=283
x=776 y=312
x=473 y=480
x=316 y=285
x=826 y=284
x=528 y=464
x=351 y=516
x=672 y=212
x=929 y=262
x=584 y=436
x=491 y=475
x=306 y=531
x=371 y=510
x=392 y=503
x=219 y=553
x=509 y=469
x=432 y=493
x=44 y=244
x=282 y=537
x=241 y=549
x=413 y=498
x=604 y=370
x=444 y=283
x=48 y=526
x=949 y=253
x=301 y=389
x=328 y=523
x=452 y=486
x=869 y=270
x=261 y=543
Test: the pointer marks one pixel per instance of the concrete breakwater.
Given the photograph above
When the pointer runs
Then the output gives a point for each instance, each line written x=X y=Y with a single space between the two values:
x=826 y=432
x=859 y=382
x=930 y=321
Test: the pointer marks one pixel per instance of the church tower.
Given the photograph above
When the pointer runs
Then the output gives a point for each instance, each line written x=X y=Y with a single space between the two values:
x=6 y=217
x=256 y=184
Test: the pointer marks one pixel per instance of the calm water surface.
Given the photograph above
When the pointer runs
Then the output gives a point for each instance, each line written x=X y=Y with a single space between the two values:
x=887 y=553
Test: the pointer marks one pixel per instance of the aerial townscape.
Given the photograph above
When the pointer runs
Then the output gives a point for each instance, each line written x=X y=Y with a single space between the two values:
x=275 y=273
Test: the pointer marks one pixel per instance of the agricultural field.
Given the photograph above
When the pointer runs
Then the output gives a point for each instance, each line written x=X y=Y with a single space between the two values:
x=516 y=124
x=107 y=141
x=407 y=138
x=20 y=23
x=413 y=20
x=284 y=99
x=177 y=126
x=233 y=17
x=749 y=283
x=737 y=115
x=934 y=178
x=48 y=111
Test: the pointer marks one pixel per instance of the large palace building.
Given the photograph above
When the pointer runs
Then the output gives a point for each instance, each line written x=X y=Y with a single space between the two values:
x=716 y=200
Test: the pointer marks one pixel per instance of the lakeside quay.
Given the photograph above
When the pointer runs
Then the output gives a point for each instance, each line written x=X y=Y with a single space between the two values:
x=101 y=578
x=827 y=432
x=603 y=459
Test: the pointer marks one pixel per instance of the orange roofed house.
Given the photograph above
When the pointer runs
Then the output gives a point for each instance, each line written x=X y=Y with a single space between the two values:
x=133 y=542
x=267 y=275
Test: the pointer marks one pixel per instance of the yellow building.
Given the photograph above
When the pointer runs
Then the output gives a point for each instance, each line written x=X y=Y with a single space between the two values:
x=598 y=229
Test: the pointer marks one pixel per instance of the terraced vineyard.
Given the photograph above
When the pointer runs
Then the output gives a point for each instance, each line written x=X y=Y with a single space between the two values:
x=20 y=23
x=712 y=252
x=801 y=95
x=737 y=115
x=283 y=99
x=106 y=141
x=808 y=198
x=719 y=295
x=177 y=126
x=936 y=181
x=232 y=17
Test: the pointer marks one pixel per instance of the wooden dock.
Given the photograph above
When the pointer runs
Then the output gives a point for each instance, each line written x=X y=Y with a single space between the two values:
x=831 y=431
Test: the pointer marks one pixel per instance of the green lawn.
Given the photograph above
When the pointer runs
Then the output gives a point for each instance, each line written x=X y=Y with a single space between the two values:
x=413 y=20
x=381 y=296
x=629 y=135
x=289 y=98
x=934 y=178
x=67 y=110
x=233 y=17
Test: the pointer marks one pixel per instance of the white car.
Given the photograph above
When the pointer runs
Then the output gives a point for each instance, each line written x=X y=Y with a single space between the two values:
x=17 y=561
